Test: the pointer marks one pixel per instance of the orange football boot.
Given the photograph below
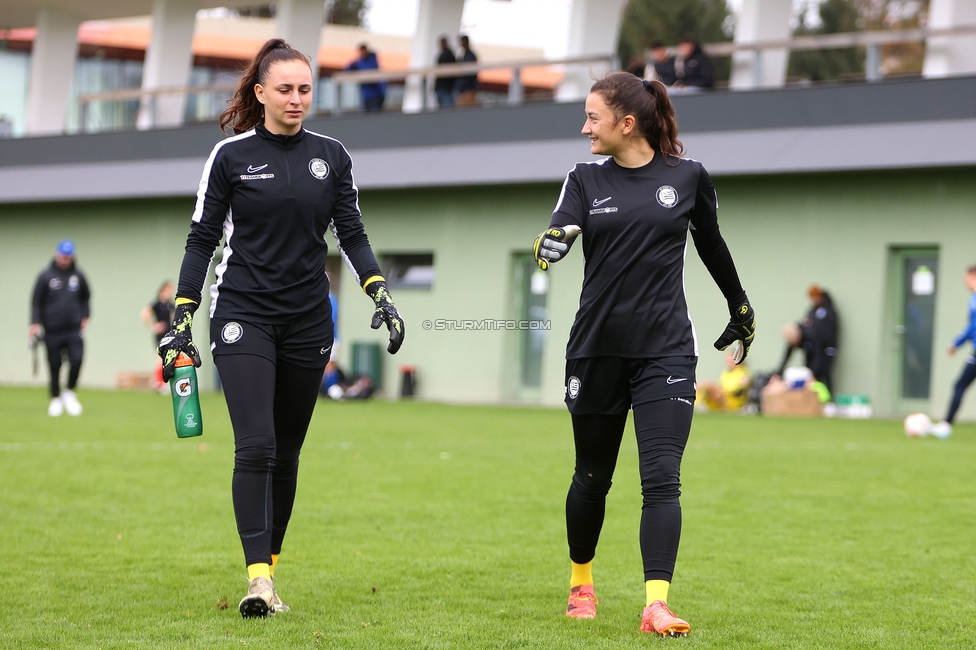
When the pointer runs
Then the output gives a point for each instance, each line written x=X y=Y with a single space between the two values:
x=659 y=619
x=582 y=602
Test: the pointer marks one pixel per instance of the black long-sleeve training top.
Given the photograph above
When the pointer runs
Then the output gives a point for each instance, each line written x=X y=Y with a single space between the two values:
x=635 y=225
x=273 y=198
x=61 y=298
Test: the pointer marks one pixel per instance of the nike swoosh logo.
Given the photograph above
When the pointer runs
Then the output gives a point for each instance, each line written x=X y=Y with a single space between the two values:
x=671 y=380
x=253 y=170
x=324 y=350
x=601 y=201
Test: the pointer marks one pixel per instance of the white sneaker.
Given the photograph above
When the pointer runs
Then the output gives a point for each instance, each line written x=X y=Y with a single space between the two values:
x=335 y=392
x=276 y=603
x=259 y=601
x=942 y=430
x=71 y=404
x=55 y=408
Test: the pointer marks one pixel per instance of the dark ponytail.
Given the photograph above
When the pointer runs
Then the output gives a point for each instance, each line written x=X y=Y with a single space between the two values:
x=648 y=103
x=245 y=111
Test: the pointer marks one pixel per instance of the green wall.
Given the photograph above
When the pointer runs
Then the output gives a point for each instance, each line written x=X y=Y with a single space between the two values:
x=838 y=230
x=474 y=233
x=785 y=232
x=125 y=248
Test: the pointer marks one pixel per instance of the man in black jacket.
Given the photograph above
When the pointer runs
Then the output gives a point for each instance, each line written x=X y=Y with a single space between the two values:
x=466 y=87
x=60 y=306
x=663 y=64
x=695 y=71
x=444 y=86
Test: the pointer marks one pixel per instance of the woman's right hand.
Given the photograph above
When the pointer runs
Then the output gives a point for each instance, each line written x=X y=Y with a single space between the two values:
x=553 y=244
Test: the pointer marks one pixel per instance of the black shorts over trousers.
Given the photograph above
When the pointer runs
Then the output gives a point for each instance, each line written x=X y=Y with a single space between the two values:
x=271 y=377
x=662 y=393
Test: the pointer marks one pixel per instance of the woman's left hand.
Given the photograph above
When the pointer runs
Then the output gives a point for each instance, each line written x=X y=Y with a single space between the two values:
x=741 y=328
x=386 y=312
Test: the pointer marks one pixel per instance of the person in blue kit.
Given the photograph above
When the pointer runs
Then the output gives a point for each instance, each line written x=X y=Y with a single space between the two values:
x=60 y=306
x=373 y=94
x=333 y=376
x=944 y=428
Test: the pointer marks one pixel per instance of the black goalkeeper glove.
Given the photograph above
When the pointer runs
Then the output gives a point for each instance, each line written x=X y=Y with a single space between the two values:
x=553 y=244
x=741 y=328
x=179 y=339
x=386 y=312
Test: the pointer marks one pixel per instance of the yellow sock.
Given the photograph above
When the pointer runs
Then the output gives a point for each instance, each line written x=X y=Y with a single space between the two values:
x=259 y=570
x=657 y=590
x=274 y=563
x=582 y=574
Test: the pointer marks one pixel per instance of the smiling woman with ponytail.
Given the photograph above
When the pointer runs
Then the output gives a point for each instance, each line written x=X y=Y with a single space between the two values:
x=272 y=191
x=649 y=104
x=633 y=345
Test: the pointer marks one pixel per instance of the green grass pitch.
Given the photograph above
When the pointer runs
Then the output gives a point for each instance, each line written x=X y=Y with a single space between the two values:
x=432 y=526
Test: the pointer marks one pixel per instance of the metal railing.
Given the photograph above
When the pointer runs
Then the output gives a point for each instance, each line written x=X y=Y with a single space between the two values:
x=330 y=95
x=329 y=100
x=427 y=75
x=872 y=41
x=148 y=99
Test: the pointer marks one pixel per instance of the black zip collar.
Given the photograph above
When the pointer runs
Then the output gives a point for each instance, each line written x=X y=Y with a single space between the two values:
x=282 y=141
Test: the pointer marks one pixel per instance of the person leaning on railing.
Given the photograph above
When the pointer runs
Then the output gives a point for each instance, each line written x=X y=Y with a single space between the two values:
x=444 y=86
x=694 y=70
x=467 y=86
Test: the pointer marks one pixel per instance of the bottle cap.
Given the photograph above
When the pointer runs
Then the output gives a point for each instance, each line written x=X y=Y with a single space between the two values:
x=183 y=361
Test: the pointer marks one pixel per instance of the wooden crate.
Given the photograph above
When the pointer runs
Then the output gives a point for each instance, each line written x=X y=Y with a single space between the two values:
x=800 y=402
x=135 y=381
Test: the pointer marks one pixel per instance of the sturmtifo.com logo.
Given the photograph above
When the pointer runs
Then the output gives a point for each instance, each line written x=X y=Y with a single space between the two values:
x=667 y=196
x=489 y=324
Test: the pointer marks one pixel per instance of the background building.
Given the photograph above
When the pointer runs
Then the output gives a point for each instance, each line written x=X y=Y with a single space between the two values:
x=853 y=187
x=865 y=188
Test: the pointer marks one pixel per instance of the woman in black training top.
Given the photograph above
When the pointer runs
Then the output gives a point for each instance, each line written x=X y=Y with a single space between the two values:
x=633 y=344
x=272 y=190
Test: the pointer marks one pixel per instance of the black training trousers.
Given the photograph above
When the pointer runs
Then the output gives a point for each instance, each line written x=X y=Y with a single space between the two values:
x=966 y=377
x=270 y=407
x=59 y=343
x=662 y=430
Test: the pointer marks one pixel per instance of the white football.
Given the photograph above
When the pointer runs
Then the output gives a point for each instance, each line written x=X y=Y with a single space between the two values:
x=917 y=425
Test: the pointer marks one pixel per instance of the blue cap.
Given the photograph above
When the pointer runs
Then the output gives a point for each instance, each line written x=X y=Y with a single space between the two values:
x=66 y=247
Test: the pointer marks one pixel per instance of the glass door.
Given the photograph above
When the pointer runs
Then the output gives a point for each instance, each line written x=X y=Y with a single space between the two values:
x=531 y=291
x=917 y=276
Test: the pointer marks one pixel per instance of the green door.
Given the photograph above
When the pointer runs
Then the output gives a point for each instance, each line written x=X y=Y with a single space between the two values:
x=916 y=274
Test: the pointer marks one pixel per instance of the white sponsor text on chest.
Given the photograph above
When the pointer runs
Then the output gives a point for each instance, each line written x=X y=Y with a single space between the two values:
x=255 y=177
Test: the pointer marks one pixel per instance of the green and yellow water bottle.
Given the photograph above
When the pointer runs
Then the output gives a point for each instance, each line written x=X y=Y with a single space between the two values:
x=186 y=400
